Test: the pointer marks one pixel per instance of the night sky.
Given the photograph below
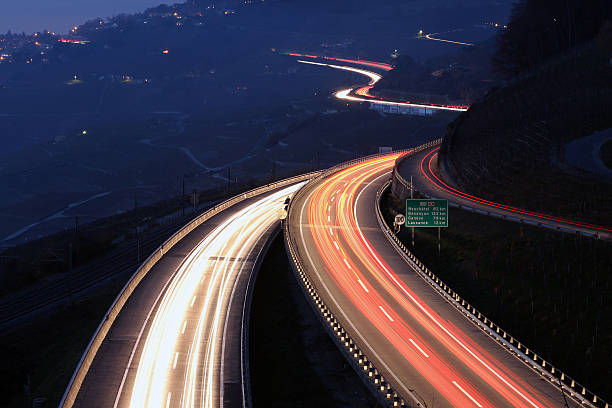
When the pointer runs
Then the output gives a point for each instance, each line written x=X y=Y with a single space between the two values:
x=59 y=15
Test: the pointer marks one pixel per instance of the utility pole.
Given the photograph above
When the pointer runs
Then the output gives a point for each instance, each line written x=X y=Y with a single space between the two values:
x=412 y=197
x=562 y=392
x=273 y=170
x=137 y=246
x=136 y=230
x=76 y=237
x=229 y=180
x=183 y=195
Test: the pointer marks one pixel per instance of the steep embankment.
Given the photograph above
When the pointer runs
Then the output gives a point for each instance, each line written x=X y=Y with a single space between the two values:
x=508 y=146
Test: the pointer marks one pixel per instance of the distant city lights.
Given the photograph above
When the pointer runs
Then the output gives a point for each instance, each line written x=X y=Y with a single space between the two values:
x=74 y=41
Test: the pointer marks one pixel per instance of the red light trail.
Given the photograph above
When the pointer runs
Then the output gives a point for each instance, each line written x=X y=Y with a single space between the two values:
x=444 y=355
x=373 y=64
x=434 y=179
x=363 y=92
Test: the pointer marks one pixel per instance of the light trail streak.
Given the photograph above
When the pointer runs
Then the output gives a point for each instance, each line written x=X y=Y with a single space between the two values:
x=374 y=77
x=397 y=311
x=346 y=94
x=373 y=64
x=431 y=176
x=430 y=37
x=217 y=259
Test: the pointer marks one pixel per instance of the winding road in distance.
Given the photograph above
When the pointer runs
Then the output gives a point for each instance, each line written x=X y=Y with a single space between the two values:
x=426 y=348
x=362 y=94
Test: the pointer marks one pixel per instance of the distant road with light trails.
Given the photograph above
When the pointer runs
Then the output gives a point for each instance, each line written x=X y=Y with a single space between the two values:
x=179 y=341
x=428 y=350
x=427 y=181
x=431 y=37
x=362 y=94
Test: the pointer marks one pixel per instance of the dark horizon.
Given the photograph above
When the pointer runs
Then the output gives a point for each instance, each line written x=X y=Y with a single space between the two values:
x=36 y=15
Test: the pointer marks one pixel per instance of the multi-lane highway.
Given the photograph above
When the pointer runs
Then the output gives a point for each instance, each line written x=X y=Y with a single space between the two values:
x=421 y=343
x=423 y=168
x=180 y=338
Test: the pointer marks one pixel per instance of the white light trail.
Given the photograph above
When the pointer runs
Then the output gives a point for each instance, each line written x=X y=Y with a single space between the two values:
x=218 y=259
x=429 y=37
x=345 y=94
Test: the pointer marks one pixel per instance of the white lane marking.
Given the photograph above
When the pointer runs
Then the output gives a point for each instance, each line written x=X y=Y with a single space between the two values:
x=192 y=301
x=184 y=325
x=168 y=400
x=332 y=199
x=419 y=348
x=336 y=245
x=175 y=360
x=420 y=306
x=385 y=312
x=328 y=218
x=363 y=286
x=331 y=231
x=328 y=207
x=468 y=395
x=346 y=263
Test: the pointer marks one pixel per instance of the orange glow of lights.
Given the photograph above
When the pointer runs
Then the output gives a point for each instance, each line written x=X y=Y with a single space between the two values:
x=410 y=325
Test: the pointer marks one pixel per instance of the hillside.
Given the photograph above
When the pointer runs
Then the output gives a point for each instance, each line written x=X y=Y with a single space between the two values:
x=95 y=111
x=508 y=146
x=459 y=77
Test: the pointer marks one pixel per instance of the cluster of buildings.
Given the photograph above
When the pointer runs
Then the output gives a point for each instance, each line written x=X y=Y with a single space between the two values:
x=34 y=48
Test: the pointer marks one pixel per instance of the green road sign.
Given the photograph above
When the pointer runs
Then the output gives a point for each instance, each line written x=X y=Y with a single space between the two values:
x=426 y=213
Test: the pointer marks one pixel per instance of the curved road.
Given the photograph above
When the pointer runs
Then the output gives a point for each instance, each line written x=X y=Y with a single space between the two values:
x=179 y=340
x=431 y=37
x=423 y=168
x=362 y=94
x=413 y=336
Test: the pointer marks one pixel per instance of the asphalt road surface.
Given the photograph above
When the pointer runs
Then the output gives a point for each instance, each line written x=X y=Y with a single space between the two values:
x=422 y=166
x=424 y=346
x=179 y=340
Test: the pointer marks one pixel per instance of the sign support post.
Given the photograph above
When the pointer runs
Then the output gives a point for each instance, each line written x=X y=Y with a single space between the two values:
x=412 y=197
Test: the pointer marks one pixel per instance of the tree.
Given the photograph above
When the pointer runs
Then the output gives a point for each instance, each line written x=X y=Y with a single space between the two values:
x=539 y=29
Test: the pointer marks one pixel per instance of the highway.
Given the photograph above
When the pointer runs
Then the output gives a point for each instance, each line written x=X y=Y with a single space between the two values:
x=423 y=167
x=361 y=94
x=429 y=351
x=180 y=340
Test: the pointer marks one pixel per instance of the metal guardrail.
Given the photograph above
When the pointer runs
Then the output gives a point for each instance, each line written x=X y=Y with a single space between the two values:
x=372 y=378
x=109 y=318
x=518 y=218
x=510 y=343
